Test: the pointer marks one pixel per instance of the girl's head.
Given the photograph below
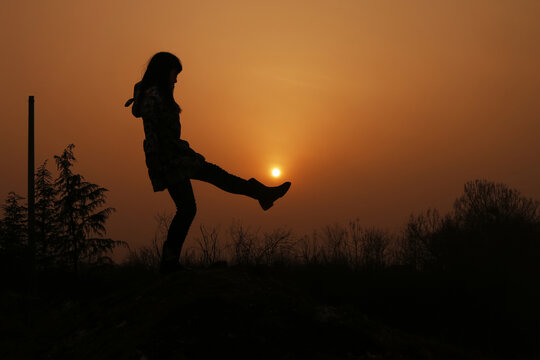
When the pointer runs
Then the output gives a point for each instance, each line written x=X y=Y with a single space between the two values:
x=161 y=71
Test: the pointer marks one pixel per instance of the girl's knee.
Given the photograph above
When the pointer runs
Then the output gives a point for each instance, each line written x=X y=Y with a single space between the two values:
x=187 y=211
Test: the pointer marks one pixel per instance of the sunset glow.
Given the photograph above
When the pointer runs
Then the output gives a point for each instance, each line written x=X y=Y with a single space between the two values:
x=263 y=179
x=389 y=106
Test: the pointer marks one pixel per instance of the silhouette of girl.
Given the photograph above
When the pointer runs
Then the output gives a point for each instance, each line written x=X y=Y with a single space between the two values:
x=172 y=163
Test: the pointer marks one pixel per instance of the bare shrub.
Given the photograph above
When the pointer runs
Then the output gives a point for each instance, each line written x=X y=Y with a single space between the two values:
x=150 y=256
x=355 y=242
x=309 y=249
x=250 y=248
x=208 y=246
x=243 y=244
x=417 y=237
x=487 y=203
x=492 y=229
x=189 y=257
x=352 y=246
x=336 y=249
x=277 y=247
x=373 y=245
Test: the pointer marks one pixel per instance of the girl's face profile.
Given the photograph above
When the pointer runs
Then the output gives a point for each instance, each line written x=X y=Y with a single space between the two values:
x=172 y=77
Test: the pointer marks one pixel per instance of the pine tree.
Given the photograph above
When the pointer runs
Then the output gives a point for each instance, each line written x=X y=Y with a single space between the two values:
x=46 y=215
x=80 y=216
x=14 y=237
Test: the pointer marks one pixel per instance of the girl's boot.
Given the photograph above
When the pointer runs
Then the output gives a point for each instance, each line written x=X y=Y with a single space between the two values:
x=268 y=194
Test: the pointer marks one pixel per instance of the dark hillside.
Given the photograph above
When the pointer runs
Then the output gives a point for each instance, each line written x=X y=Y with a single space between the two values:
x=258 y=313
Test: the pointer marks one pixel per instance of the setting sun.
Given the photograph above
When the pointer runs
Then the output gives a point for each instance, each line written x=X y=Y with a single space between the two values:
x=276 y=172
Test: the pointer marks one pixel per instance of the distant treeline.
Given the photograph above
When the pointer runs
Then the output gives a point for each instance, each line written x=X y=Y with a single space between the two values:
x=492 y=229
x=69 y=222
x=468 y=278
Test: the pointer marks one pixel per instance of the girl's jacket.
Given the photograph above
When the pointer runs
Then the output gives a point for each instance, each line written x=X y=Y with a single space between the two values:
x=168 y=158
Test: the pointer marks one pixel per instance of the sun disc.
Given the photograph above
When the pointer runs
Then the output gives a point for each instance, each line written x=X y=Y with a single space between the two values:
x=276 y=172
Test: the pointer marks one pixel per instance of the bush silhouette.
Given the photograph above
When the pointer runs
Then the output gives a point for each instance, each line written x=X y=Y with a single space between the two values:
x=81 y=216
x=69 y=226
x=492 y=228
x=13 y=233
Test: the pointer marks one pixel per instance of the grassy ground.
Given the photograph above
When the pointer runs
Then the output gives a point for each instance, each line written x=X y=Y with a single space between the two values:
x=259 y=313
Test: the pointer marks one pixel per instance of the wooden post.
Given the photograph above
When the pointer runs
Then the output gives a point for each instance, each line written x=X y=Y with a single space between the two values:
x=31 y=200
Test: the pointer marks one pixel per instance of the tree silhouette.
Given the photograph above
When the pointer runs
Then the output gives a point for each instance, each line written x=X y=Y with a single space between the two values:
x=46 y=215
x=418 y=236
x=374 y=243
x=80 y=216
x=13 y=237
x=498 y=227
x=491 y=229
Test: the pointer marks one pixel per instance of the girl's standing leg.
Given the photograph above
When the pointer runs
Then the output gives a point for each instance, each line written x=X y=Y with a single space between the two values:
x=184 y=199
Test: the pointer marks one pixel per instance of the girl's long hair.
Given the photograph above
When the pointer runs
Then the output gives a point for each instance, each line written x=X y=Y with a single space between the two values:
x=158 y=73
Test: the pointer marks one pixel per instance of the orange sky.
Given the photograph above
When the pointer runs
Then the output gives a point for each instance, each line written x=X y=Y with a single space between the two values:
x=373 y=109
